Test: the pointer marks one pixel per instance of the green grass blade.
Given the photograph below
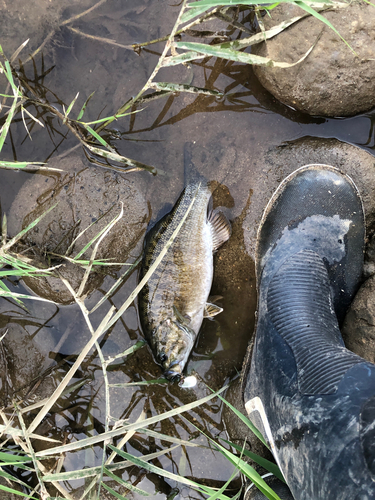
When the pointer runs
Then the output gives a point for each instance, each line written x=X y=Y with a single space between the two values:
x=24 y=231
x=91 y=242
x=102 y=120
x=8 y=121
x=244 y=467
x=113 y=492
x=234 y=55
x=98 y=138
x=245 y=420
x=71 y=106
x=22 y=273
x=115 y=286
x=169 y=439
x=248 y=471
x=128 y=352
x=99 y=438
x=9 y=76
x=8 y=457
x=313 y=12
x=169 y=475
x=94 y=471
x=6 y=290
x=26 y=165
x=13 y=295
x=15 y=492
x=12 y=478
x=193 y=12
x=260 y=37
x=176 y=87
x=83 y=109
x=222 y=3
x=182 y=58
x=219 y=492
x=263 y=462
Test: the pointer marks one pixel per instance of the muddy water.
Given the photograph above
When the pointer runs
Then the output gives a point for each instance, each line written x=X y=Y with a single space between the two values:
x=229 y=135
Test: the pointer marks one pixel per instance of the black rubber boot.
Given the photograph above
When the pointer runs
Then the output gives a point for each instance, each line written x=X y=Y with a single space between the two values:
x=280 y=488
x=312 y=399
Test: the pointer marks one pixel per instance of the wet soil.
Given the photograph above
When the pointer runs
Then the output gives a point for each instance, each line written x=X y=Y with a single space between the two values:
x=231 y=136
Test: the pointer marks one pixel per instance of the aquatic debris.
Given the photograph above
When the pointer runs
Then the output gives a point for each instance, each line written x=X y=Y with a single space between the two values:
x=188 y=382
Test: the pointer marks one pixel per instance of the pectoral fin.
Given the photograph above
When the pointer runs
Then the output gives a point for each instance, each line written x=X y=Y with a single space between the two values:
x=220 y=228
x=184 y=320
x=211 y=310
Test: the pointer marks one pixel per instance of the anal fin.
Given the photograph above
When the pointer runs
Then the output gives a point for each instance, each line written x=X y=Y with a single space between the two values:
x=211 y=310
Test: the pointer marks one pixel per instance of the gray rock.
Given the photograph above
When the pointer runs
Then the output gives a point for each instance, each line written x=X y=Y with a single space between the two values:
x=332 y=80
x=84 y=194
x=359 y=325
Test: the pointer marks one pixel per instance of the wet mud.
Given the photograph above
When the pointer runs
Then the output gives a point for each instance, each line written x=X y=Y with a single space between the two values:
x=246 y=142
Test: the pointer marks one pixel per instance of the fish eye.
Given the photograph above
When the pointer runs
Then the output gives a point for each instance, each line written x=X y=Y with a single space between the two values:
x=163 y=357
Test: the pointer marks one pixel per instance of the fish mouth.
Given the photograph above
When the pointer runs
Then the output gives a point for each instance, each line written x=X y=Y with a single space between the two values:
x=173 y=374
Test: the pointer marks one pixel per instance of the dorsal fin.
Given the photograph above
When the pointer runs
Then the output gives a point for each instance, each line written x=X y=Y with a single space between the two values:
x=220 y=228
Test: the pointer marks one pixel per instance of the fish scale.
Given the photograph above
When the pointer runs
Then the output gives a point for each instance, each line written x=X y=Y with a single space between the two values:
x=172 y=304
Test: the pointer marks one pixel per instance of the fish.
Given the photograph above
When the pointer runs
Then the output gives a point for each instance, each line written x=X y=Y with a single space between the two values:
x=174 y=301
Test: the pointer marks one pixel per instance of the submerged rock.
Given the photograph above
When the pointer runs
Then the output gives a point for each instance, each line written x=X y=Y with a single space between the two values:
x=87 y=198
x=332 y=80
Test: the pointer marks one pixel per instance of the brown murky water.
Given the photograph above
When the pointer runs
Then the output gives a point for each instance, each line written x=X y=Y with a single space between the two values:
x=229 y=135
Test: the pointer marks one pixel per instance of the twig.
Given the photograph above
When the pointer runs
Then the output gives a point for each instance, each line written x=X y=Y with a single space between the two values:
x=100 y=39
x=200 y=20
x=64 y=23
x=167 y=47
x=55 y=396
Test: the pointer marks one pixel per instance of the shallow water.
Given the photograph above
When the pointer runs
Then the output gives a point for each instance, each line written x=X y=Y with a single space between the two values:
x=229 y=134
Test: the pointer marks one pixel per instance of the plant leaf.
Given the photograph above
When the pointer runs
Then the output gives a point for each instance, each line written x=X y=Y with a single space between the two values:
x=193 y=12
x=162 y=472
x=83 y=109
x=71 y=106
x=234 y=55
x=176 y=87
x=313 y=12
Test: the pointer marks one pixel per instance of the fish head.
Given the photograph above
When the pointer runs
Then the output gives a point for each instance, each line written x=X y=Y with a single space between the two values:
x=173 y=343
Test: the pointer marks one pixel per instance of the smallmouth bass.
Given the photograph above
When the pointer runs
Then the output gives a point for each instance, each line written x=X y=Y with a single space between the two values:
x=173 y=303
